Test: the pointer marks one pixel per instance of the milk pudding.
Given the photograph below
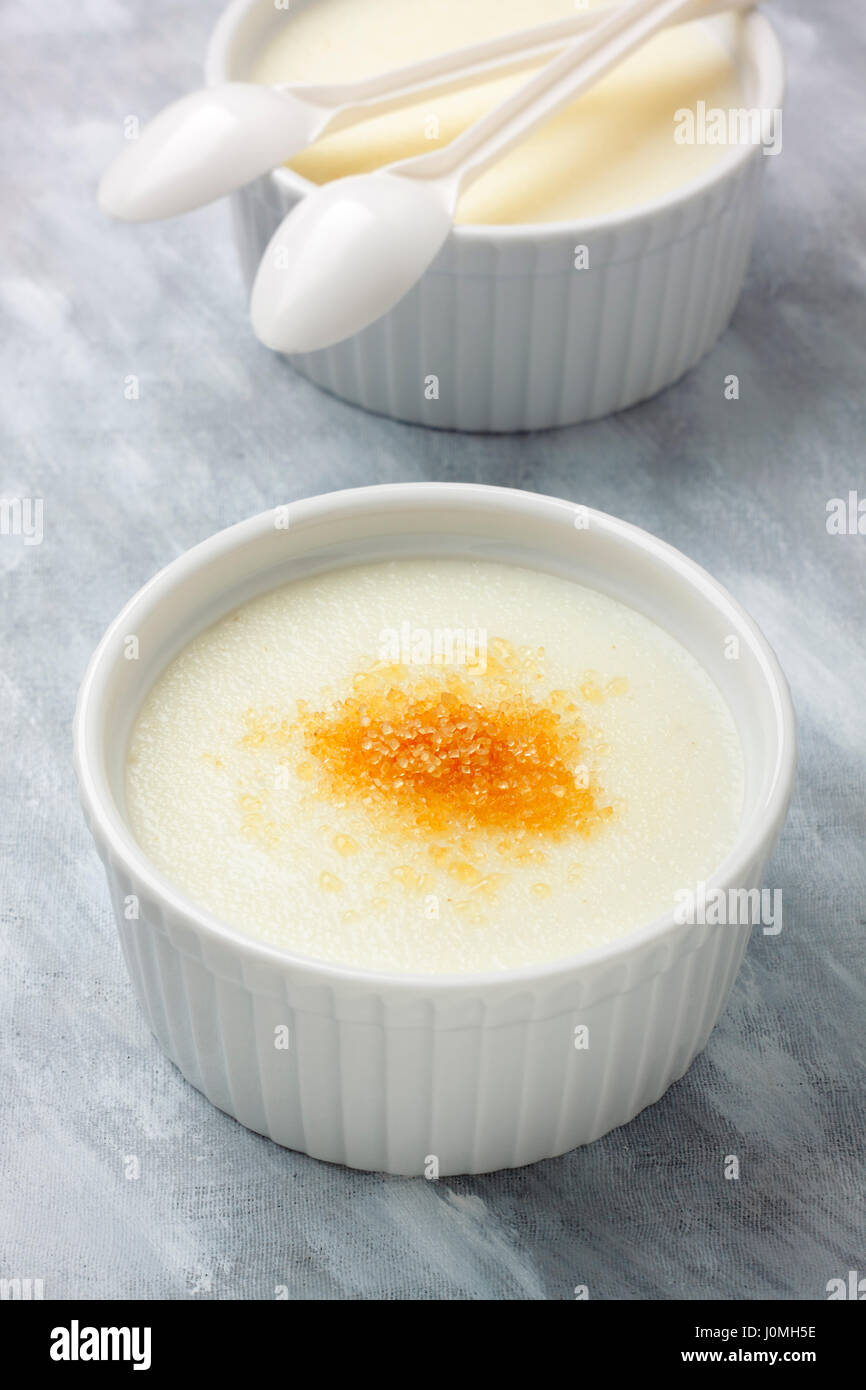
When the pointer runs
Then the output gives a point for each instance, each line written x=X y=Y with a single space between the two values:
x=612 y=149
x=434 y=766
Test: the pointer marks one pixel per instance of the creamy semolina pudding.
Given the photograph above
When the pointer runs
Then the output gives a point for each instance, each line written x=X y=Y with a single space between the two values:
x=434 y=766
x=613 y=149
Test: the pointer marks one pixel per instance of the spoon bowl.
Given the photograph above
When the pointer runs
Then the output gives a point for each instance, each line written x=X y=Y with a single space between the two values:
x=347 y=254
x=204 y=146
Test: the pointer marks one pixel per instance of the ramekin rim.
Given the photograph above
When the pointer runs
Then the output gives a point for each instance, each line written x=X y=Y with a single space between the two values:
x=216 y=70
x=114 y=835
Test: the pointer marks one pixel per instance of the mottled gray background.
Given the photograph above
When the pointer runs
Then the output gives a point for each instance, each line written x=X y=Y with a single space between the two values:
x=224 y=429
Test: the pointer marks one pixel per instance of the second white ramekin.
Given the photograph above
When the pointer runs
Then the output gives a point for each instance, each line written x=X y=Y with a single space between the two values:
x=435 y=1074
x=516 y=337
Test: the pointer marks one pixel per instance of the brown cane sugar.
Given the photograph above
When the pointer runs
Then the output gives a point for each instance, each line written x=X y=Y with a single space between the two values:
x=451 y=751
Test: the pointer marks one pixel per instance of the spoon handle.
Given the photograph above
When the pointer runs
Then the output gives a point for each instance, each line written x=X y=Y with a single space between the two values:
x=358 y=100
x=556 y=86
x=457 y=67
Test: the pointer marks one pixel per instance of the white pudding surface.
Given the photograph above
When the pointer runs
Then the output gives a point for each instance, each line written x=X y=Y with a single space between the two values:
x=613 y=149
x=305 y=772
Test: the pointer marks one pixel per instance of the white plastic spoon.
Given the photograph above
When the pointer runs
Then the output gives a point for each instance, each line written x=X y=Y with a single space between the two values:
x=215 y=140
x=354 y=247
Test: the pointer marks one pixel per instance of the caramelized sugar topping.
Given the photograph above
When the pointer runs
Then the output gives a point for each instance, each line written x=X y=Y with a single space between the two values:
x=458 y=749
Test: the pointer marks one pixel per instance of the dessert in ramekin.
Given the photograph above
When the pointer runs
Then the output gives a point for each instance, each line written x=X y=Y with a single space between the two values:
x=327 y=1008
x=530 y=324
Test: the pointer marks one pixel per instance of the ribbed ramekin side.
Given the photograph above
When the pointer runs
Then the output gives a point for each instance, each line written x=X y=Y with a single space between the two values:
x=593 y=1069
x=429 y=1086
x=520 y=333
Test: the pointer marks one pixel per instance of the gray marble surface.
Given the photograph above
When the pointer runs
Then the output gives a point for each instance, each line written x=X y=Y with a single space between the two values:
x=223 y=429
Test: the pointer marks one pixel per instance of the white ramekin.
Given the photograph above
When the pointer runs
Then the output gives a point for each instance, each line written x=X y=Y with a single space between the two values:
x=390 y=1072
x=516 y=336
